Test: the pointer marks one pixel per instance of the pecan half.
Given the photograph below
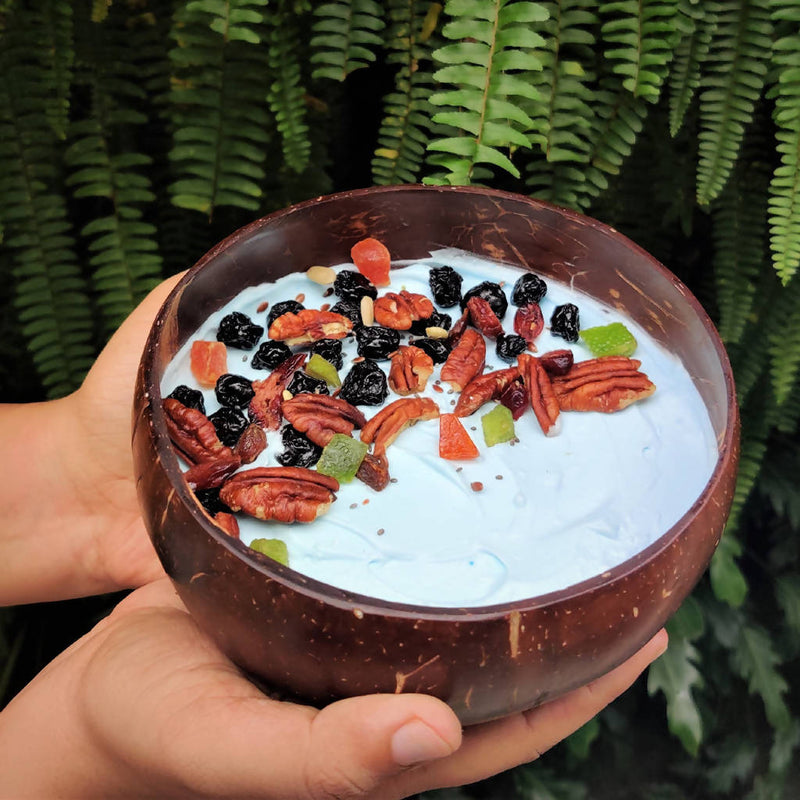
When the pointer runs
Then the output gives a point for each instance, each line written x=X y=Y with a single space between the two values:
x=309 y=325
x=399 y=309
x=320 y=416
x=482 y=316
x=540 y=391
x=283 y=494
x=466 y=360
x=410 y=370
x=387 y=424
x=265 y=407
x=374 y=471
x=605 y=384
x=484 y=388
x=211 y=474
x=228 y=523
x=193 y=433
x=457 y=330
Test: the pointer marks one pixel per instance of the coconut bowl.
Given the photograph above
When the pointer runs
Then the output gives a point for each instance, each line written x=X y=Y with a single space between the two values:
x=317 y=643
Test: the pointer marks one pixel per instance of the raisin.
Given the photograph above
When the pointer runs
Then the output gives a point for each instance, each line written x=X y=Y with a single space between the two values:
x=284 y=307
x=238 y=330
x=493 y=294
x=270 y=354
x=209 y=499
x=303 y=383
x=445 y=285
x=515 y=398
x=437 y=349
x=365 y=384
x=376 y=341
x=509 y=346
x=565 y=322
x=330 y=350
x=191 y=398
x=350 y=310
x=233 y=391
x=529 y=288
x=229 y=425
x=298 y=450
x=435 y=320
x=351 y=286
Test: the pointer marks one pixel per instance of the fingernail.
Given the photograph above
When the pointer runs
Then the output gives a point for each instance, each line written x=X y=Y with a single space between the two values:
x=415 y=742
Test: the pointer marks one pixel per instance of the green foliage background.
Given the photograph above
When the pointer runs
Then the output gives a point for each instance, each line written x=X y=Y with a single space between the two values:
x=136 y=133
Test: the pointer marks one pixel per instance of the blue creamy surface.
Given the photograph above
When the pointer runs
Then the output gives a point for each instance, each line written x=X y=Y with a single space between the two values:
x=553 y=511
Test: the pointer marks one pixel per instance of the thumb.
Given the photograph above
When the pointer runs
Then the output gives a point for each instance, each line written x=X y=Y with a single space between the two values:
x=358 y=745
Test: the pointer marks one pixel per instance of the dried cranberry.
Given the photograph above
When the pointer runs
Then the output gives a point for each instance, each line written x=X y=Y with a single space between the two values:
x=191 y=398
x=376 y=341
x=493 y=294
x=229 y=425
x=445 y=285
x=351 y=286
x=233 y=391
x=270 y=354
x=515 y=398
x=330 y=350
x=303 y=383
x=557 y=362
x=529 y=321
x=529 y=288
x=238 y=330
x=509 y=346
x=365 y=384
x=565 y=322
x=298 y=450
x=284 y=307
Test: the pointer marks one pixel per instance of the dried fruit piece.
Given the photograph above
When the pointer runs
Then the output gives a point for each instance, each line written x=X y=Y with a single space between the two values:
x=491 y=292
x=270 y=354
x=330 y=350
x=298 y=449
x=350 y=310
x=483 y=388
x=557 y=362
x=265 y=407
x=529 y=322
x=229 y=424
x=482 y=316
x=191 y=398
x=466 y=360
x=373 y=260
x=410 y=370
x=529 y=288
x=609 y=340
x=238 y=330
x=251 y=444
x=275 y=549
x=377 y=341
x=565 y=322
x=365 y=384
x=320 y=368
x=438 y=348
x=284 y=307
x=509 y=346
x=515 y=398
x=234 y=391
x=308 y=326
x=455 y=443
x=436 y=320
x=497 y=425
x=208 y=360
x=351 y=286
x=374 y=471
x=342 y=457
x=387 y=424
x=303 y=383
x=445 y=285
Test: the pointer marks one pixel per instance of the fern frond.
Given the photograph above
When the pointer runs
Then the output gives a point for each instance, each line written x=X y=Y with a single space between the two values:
x=784 y=202
x=218 y=105
x=492 y=53
x=740 y=237
x=642 y=35
x=345 y=35
x=58 y=19
x=737 y=66
x=784 y=341
x=51 y=295
x=405 y=128
x=697 y=26
x=286 y=95
x=100 y=10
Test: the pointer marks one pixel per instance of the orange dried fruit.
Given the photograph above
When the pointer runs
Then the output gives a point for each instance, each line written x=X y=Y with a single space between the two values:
x=455 y=443
x=372 y=260
x=209 y=360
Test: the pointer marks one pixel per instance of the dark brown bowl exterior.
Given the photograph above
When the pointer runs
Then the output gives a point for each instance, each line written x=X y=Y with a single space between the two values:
x=319 y=643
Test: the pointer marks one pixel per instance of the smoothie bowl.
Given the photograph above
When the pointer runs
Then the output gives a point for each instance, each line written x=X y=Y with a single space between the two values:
x=489 y=474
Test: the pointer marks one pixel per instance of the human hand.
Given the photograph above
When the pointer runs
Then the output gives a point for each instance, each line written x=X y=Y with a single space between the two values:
x=145 y=705
x=74 y=525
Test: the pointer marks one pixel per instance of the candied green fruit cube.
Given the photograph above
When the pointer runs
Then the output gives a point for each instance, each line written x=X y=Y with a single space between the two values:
x=498 y=426
x=609 y=340
x=276 y=549
x=342 y=457
x=321 y=368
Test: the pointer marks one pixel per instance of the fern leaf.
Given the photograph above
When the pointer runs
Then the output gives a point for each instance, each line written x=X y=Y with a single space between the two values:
x=286 y=96
x=405 y=128
x=51 y=295
x=784 y=342
x=345 y=37
x=218 y=105
x=491 y=55
x=784 y=203
x=737 y=66
x=100 y=10
x=740 y=236
x=642 y=35
x=684 y=77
